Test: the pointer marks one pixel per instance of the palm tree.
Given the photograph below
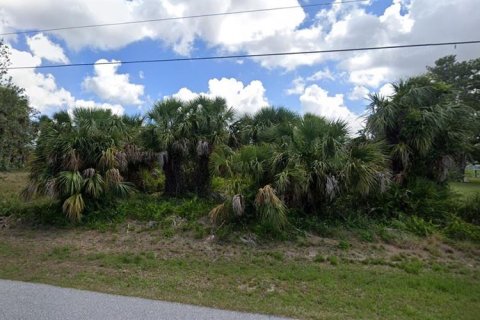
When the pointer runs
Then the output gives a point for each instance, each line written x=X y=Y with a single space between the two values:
x=423 y=127
x=187 y=133
x=307 y=164
x=79 y=159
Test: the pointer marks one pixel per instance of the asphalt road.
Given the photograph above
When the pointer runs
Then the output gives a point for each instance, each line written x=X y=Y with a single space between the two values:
x=29 y=301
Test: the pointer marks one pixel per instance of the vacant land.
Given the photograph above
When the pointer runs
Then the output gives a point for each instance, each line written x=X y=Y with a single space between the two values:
x=343 y=276
x=321 y=279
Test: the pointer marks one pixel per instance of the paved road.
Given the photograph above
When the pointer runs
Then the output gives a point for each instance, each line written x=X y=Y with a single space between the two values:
x=28 y=301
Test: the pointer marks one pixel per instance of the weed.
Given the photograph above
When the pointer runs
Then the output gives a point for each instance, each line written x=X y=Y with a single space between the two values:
x=413 y=266
x=344 y=245
x=334 y=261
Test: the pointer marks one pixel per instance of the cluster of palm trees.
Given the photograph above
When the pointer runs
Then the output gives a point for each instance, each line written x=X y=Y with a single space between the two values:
x=272 y=161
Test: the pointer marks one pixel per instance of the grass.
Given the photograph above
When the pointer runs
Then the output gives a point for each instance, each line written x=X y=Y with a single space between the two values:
x=11 y=185
x=466 y=189
x=250 y=280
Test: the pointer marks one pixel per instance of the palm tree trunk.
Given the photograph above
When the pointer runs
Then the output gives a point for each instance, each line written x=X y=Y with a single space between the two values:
x=173 y=177
x=203 y=177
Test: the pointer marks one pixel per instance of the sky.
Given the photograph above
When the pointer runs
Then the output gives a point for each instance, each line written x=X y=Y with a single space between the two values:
x=334 y=85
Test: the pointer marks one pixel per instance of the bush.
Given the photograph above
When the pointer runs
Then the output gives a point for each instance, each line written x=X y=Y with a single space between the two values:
x=420 y=197
x=458 y=229
x=152 y=181
x=469 y=209
x=416 y=225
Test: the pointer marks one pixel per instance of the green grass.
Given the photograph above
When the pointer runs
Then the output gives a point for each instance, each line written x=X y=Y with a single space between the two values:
x=266 y=284
x=466 y=189
x=11 y=185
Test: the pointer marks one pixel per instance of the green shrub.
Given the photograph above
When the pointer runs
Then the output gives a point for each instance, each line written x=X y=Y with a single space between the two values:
x=344 y=245
x=420 y=197
x=469 y=209
x=418 y=226
x=458 y=229
x=152 y=181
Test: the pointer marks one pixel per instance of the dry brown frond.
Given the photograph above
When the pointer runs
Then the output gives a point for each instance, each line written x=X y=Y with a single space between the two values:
x=71 y=160
x=88 y=173
x=238 y=205
x=219 y=214
x=113 y=177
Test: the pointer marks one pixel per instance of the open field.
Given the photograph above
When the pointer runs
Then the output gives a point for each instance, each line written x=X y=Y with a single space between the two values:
x=343 y=276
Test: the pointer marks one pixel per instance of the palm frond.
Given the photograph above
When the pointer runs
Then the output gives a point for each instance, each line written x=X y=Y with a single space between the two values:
x=271 y=209
x=73 y=207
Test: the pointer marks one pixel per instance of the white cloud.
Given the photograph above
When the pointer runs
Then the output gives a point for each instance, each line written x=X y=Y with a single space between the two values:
x=186 y=94
x=43 y=48
x=298 y=86
x=243 y=98
x=338 y=26
x=358 y=93
x=317 y=101
x=386 y=90
x=42 y=90
x=324 y=74
x=112 y=86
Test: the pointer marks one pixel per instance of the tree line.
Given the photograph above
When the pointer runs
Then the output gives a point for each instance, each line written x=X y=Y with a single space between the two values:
x=271 y=163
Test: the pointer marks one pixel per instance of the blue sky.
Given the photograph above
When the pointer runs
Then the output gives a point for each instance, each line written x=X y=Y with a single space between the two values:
x=333 y=85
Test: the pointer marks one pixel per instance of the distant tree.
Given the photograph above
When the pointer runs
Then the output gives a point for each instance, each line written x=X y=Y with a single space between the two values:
x=463 y=76
x=16 y=126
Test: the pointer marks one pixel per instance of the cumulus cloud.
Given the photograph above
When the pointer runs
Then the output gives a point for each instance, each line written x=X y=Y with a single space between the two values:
x=298 y=86
x=337 y=26
x=43 y=48
x=358 y=93
x=386 y=90
x=324 y=74
x=229 y=31
x=316 y=100
x=42 y=90
x=243 y=98
x=112 y=86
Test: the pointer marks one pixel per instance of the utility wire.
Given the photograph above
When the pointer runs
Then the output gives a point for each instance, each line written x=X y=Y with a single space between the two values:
x=240 y=56
x=182 y=17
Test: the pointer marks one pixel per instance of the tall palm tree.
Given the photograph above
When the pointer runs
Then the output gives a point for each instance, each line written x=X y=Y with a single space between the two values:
x=187 y=133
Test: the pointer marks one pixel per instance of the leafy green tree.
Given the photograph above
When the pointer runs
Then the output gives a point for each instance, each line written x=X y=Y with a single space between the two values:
x=463 y=76
x=16 y=125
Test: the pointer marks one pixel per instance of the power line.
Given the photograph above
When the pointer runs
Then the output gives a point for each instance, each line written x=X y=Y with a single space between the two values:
x=182 y=17
x=240 y=56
